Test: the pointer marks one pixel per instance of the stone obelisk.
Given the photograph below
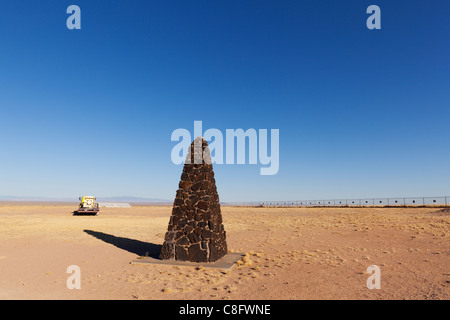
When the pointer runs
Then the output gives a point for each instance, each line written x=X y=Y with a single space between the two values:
x=195 y=232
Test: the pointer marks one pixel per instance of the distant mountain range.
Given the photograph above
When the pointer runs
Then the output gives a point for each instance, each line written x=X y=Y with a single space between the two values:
x=128 y=199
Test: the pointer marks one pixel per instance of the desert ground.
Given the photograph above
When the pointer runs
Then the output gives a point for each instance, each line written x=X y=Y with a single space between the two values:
x=290 y=253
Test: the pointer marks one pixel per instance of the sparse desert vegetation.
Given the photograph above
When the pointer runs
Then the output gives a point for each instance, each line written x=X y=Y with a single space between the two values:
x=289 y=253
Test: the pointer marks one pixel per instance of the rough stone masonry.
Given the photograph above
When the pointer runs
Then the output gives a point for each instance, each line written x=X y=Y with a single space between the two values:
x=195 y=232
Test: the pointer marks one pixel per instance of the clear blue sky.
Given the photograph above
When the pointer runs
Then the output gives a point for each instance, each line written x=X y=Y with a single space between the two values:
x=361 y=113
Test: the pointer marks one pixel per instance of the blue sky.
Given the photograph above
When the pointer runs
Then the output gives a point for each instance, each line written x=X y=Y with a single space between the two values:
x=361 y=113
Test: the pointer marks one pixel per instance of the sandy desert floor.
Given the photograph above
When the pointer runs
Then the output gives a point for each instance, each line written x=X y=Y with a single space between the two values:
x=291 y=253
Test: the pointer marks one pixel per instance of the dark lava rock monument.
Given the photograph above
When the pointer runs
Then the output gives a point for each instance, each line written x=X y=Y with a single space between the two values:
x=195 y=232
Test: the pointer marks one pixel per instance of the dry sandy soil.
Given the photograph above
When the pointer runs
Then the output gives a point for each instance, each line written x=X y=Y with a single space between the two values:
x=291 y=253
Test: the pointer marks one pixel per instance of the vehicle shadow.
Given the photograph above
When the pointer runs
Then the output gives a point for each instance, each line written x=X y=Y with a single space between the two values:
x=134 y=246
x=76 y=213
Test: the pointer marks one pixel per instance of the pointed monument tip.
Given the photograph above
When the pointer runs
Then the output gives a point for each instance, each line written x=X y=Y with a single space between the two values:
x=198 y=139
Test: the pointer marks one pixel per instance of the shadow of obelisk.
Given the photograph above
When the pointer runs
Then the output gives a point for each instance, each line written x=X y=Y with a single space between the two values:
x=195 y=232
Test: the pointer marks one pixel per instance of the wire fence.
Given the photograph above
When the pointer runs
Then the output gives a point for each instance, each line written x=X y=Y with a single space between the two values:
x=367 y=202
